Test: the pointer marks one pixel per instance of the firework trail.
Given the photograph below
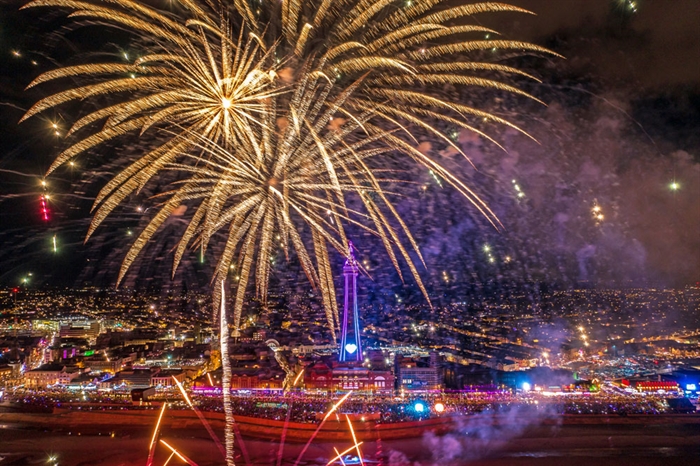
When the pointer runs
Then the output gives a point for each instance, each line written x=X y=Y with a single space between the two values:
x=178 y=454
x=201 y=417
x=152 y=446
x=283 y=437
x=226 y=378
x=323 y=421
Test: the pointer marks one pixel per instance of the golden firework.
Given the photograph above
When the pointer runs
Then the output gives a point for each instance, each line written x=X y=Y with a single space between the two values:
x=198 y=78
x=275 y=111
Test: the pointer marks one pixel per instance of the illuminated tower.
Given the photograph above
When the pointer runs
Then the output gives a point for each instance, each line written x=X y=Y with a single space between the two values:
x=350 y=345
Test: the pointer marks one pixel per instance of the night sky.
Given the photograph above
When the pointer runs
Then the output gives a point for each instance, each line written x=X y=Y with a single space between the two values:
x=621 y=126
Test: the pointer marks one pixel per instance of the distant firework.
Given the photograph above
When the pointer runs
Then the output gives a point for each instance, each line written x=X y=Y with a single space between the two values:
x=44 y=208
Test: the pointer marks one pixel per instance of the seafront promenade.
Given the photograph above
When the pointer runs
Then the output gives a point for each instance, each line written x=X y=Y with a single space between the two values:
x=334 y=429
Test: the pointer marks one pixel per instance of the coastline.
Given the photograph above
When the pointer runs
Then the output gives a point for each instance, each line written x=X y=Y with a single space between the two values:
x=334 y=429
x=638 y=443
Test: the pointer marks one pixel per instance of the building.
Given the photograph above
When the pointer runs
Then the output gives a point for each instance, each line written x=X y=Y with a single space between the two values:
x=656 y=386
x=105 y=364
x=167 y=378
x=321 y=376
x=687 y=378
x=6 y=371
x=142 y=394
x=360 y=378
x=51 y=325
x=257 y=379
x=318 y=376
x=416 y=375
x=129 y=379
x=50 y=374
x=350 y=372
x=88 y=329
x=65 y=351
x=418 y=378
x=87 y=380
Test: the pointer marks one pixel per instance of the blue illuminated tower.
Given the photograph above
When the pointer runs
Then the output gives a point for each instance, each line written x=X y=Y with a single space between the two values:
x=350 y=345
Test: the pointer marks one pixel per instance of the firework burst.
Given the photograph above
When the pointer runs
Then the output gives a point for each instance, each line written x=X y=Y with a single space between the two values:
x=276 y=112
x=196 y=78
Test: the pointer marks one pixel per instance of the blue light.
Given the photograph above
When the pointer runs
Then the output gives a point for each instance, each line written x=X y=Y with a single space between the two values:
x=691 y=386
x=526 y=387
x=351 y=348
x=419 y=407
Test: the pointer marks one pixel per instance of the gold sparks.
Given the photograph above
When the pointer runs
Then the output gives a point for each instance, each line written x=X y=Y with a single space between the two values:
x=274 y=117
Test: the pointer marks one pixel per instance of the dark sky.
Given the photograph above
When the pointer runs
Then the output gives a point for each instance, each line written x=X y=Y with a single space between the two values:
x=623 y=122
x=650 y=49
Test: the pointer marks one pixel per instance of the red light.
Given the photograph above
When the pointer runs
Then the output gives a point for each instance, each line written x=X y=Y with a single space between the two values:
x=44 y=209
x=15 y=290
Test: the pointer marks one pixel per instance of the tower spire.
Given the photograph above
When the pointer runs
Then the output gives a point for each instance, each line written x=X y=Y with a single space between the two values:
x=350 y=344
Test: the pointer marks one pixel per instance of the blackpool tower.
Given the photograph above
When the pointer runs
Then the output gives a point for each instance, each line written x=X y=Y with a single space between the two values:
x=350 y=345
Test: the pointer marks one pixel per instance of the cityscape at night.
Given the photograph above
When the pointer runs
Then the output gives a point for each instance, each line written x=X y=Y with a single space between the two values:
x=349 y=232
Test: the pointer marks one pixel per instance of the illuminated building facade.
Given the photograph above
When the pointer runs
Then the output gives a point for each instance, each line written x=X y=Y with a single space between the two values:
x=48 y=375
x=416 y=375
x=344 y=377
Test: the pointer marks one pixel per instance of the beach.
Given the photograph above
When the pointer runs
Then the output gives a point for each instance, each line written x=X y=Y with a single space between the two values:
x=542 y=445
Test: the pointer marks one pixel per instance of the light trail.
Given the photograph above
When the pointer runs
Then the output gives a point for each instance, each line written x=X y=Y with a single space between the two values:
x=179 y=455
x=226 y=378
x=340 y=455
x=152 y=446
x=169 y=458
x=298 y=377
x=331 y=411
x=44 y=208
x=284 y=434
x=201 y=417
x=337 y=405
x=354 y=440
x=244 y=450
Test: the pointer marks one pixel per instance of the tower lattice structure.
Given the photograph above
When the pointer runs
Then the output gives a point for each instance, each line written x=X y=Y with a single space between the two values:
x=350 y=344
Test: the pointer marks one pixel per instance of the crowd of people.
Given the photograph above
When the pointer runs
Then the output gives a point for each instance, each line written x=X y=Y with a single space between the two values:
x=309 y=408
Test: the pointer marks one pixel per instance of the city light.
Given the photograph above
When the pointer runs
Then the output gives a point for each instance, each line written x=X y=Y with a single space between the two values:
x=222 y=158
x=296 y=379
